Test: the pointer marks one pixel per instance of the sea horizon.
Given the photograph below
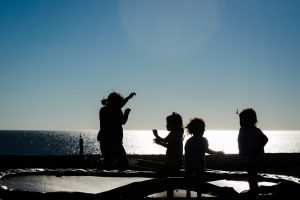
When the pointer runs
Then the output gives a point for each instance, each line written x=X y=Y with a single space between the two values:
x=66 y=142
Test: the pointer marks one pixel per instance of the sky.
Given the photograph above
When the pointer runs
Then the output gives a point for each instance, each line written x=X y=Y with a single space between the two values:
x=59 y=58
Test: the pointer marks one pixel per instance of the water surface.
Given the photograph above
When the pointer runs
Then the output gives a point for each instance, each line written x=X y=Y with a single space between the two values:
x=66 y=142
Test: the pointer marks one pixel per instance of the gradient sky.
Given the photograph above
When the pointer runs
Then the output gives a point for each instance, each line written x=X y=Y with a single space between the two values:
x=59 y=58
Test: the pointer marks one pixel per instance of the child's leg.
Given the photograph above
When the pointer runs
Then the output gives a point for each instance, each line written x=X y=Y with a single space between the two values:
x=170 y=194
x=200 y=180
x=188 y=176
x=107 y=153
x=199 y=194
x=122 y=159
x=252 y=177
x=199 y=187
x=188 y=193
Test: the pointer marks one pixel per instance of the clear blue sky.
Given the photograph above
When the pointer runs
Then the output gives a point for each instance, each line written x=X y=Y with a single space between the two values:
x=59 y=58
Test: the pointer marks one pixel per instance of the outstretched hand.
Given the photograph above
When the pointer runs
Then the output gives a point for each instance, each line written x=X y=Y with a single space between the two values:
x=155 y=133
x=155 y=140
x=131 y=95
x=127 y=111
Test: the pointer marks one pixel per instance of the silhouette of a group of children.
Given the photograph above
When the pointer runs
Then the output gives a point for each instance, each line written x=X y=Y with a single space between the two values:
x=251 y=142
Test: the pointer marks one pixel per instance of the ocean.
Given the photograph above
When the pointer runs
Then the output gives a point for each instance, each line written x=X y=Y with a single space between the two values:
x=66 y=142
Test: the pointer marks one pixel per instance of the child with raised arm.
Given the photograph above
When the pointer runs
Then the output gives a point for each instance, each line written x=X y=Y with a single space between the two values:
x=174 y=144
x=195 y=149
x=251 y=142
x=110 y=134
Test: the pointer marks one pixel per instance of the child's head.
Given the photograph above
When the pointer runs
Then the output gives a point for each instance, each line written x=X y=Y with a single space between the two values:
x=174 y=122
x=248 y=118
x=113 y=99
x=196 y=126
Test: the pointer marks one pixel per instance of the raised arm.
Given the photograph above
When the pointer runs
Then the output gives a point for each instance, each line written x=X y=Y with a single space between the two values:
x=159 y=140
x=127 y=98
x=125 y=116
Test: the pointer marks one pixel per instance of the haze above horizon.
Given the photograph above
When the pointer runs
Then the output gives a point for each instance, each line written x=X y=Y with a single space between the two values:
x=208 y=58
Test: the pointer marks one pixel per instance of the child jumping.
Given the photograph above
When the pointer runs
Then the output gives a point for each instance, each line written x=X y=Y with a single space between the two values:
x=110 y=134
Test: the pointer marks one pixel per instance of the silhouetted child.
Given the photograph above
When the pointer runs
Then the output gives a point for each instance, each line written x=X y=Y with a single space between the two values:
x=173 y=143
x=111 y=131
x=195 y=149
x=251 y=142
